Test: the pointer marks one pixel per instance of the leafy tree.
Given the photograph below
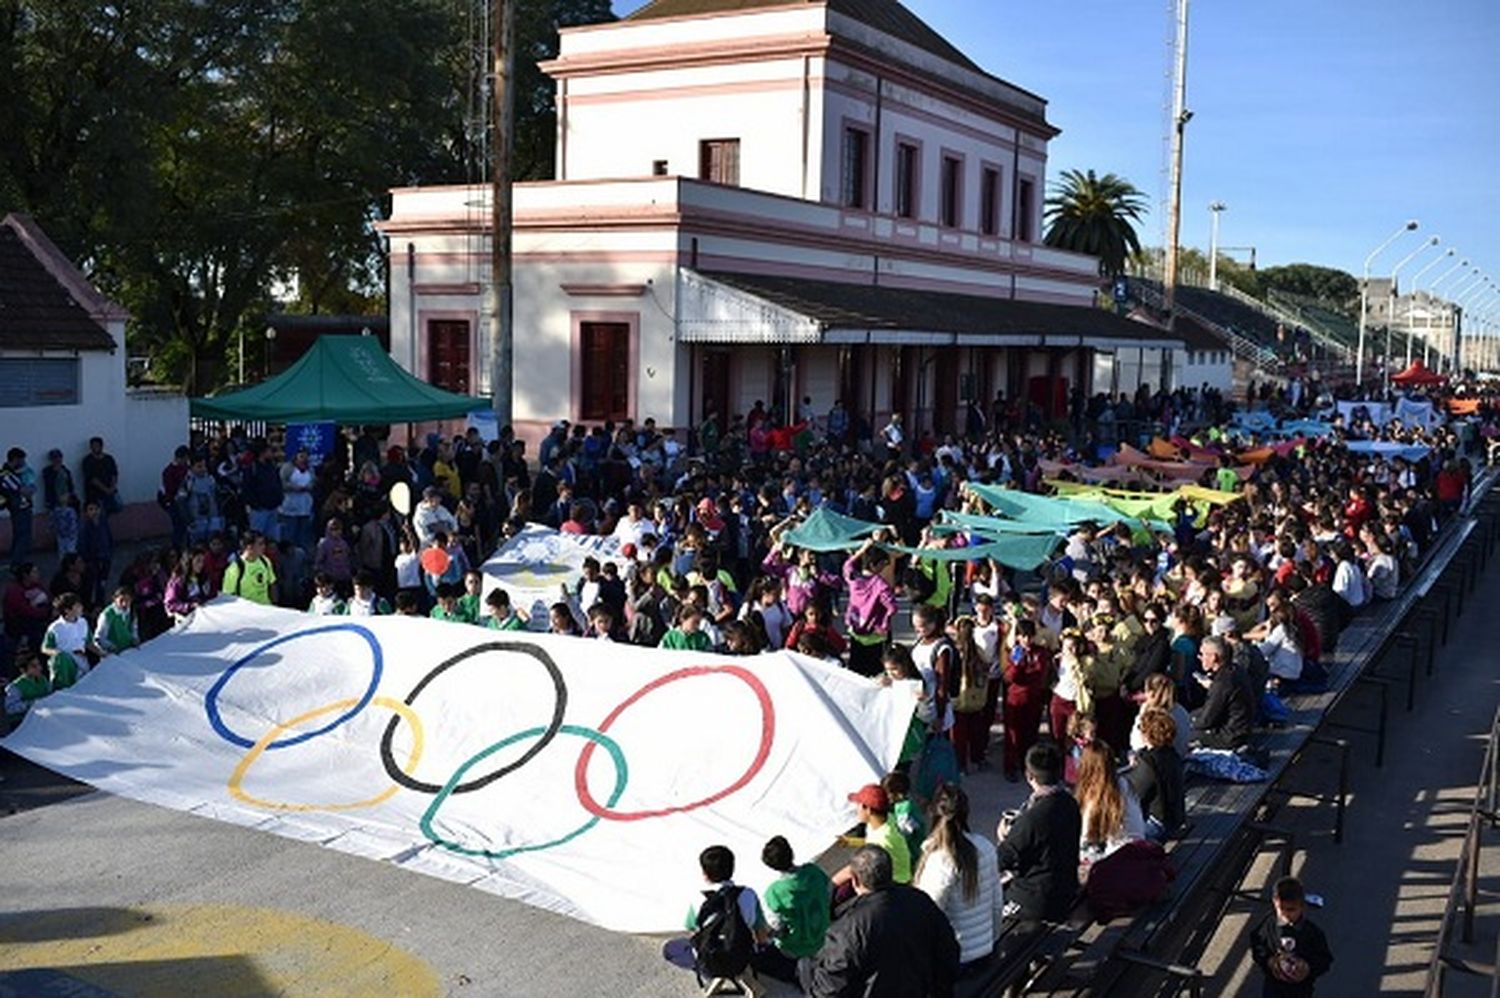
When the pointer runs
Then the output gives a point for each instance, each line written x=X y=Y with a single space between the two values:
x=192 y=155
x=1087 y=213
x=1329 y=286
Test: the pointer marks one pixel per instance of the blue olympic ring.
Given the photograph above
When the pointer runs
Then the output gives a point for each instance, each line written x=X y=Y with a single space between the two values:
x=211 y=700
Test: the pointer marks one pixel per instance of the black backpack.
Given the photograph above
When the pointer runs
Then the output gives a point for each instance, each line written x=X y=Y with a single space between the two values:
x=723 y=942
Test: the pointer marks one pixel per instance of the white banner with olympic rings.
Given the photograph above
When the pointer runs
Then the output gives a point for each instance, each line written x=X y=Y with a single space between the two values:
x=574 y=775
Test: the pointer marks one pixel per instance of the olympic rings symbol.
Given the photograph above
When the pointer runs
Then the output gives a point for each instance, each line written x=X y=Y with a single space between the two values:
x=278 y=737
x=560 y=705
x=237 y=778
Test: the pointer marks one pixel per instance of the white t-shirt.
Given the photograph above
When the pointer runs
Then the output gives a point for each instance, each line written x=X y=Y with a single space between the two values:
x=987 y=640
x=408 y=571
x=921 y=656
x=68 y=636
x=1349 y=582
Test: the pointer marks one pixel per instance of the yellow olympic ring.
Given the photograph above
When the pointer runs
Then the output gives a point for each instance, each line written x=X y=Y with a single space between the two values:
x=237 y=777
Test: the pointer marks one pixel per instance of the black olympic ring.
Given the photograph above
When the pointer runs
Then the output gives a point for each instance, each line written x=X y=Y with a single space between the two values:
x=388 y=759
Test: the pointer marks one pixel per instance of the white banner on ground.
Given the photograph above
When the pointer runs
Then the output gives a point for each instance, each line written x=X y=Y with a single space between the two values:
x=534 y=566
x=576 y=776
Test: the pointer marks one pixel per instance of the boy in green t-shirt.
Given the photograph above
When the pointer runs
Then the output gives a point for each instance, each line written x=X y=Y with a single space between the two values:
x=116 y=630
x=447 y=604
x=468 y=604
x=797 y=906
x=500 y=616
x=905 y=814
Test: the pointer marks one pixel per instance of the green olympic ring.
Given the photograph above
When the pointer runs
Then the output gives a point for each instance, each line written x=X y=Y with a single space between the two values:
x=622 y=775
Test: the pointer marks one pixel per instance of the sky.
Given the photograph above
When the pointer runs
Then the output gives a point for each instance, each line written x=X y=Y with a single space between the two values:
x=1324 y=125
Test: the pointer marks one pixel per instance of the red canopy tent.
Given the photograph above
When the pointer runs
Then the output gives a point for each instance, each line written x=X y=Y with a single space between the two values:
x=1418 y=374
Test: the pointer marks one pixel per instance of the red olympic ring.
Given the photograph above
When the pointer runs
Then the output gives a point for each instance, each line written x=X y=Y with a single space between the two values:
x=767 y=735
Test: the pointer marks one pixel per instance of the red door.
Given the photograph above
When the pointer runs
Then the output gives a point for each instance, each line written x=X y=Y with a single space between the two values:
x=448 y=355
x=606 y=370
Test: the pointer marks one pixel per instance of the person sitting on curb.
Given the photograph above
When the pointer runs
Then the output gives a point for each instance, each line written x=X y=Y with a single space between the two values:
x=797 y=908
x=708 y=921
x=890 y=941
x=1039 y=845
x=874 y=807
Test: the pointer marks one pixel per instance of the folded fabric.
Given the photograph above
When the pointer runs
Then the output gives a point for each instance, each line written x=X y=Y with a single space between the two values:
x=1222 y=764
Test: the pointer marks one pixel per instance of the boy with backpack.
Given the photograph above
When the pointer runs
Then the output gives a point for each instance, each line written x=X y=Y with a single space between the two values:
x=726 y=924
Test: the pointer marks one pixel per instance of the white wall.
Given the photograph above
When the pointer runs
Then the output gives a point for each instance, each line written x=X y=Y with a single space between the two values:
x=615 y=124
x=140 y=429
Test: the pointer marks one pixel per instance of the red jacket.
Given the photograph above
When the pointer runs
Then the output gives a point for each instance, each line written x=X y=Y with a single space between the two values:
x=1027 y=676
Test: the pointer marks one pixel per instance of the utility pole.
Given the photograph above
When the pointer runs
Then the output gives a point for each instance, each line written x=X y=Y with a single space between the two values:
x=502 y=120
x=1180 y=117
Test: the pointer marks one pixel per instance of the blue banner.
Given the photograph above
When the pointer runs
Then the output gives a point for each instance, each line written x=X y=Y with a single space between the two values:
x=318 y=439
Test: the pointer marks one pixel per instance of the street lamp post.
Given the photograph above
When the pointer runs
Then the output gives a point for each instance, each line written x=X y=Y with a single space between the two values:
x=1364 y=300
x=1214 y=207
x=1461 y=301
x=1390 y=314
x=1411 y=300
x=1432 y=290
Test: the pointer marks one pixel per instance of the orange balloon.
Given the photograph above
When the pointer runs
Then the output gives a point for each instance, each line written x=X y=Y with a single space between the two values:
x=435 y=561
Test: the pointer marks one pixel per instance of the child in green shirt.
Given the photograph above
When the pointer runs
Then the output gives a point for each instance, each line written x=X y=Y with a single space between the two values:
x=31 y=685
x=366 y=602
x=447 y=604
x=500 y=616
x=905 y=814
x=797 y=906
x=468 y=604
x=325 y=601
x=68 y=643
x=116 y=630
x=688 y=633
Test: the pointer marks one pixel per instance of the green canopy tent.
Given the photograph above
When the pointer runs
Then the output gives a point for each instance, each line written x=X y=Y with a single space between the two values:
x=349 y=380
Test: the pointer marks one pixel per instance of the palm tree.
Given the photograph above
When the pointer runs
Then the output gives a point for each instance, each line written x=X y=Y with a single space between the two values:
x=1091 y=214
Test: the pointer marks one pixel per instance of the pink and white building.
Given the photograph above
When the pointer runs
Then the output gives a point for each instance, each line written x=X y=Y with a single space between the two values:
x=769 y=199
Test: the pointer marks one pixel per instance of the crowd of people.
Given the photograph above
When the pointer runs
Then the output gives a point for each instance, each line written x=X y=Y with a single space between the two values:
x=1134 y=644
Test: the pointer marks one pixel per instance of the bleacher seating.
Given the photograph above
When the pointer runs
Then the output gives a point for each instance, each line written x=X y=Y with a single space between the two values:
x=1224 y=312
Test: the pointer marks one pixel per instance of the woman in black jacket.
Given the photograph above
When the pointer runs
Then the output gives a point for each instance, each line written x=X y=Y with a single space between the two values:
x=1153 y=652
x=1157 y=777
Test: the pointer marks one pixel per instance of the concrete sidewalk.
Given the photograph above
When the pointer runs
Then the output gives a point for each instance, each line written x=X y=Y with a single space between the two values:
x=1387 y=885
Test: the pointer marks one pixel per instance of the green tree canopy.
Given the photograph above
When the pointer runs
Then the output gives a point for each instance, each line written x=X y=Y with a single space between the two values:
x=1087 y=213
x=191 y=156
x=1327 y=285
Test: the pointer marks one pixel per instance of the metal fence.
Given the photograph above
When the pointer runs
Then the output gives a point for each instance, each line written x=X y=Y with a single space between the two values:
x=1463 y=896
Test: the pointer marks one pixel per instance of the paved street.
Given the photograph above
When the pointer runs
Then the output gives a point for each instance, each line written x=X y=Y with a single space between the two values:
x=249 y=911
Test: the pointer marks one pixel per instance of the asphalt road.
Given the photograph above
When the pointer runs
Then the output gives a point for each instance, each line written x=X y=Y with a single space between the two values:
x=105 y=896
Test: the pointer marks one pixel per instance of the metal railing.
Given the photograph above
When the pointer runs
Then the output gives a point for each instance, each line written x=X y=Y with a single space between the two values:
x=1464 y=894
x=1274 y=309
x=1242 y=347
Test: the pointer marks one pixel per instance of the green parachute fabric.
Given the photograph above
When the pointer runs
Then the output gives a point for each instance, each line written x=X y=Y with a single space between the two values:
x=950 y=522
x=826 y=531
x=1021 y=552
